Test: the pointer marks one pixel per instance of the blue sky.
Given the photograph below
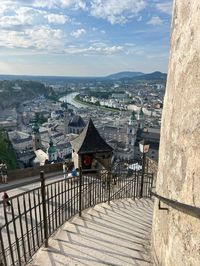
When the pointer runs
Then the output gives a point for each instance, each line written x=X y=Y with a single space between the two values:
x=82 y=37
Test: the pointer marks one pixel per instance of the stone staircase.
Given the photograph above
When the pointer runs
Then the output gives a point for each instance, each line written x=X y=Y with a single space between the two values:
x=115 y=234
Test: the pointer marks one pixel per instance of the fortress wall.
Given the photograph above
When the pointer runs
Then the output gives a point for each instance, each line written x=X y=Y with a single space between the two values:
x=176 y=236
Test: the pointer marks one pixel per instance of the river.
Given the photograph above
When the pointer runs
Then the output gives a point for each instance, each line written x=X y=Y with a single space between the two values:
x=69 y=98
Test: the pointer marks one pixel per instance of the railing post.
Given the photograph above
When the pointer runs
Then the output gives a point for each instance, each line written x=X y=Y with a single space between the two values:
x=108 y=184
x=135 y=184
x=44 y=208
x=2 y=253
x=151 y=184
x=90 y=193
x=80 y=191
x=142 y=177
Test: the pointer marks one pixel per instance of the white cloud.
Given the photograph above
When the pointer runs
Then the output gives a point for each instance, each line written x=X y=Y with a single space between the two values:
x=78 y=33
x=22 y=16
x=155 y=21
x=5 y=7
x=45 y=37
x=75 y=4
x=27 y=16
x=45 y=3
x=37 y=38
x=165 y=7
x=116 y=11
x=103 y=50
x=56 y=18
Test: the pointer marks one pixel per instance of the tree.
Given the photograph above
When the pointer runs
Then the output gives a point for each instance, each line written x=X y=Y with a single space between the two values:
x=7 y=154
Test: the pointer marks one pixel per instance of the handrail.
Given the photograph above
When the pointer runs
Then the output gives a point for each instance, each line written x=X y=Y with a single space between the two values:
x=124 y=187
x=185 y=208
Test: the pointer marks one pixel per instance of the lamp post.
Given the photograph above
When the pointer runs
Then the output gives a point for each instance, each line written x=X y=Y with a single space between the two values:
x=144 y=148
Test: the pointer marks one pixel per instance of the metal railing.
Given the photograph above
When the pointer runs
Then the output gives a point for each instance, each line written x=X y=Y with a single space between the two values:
x=182 y=207
x=36 y=214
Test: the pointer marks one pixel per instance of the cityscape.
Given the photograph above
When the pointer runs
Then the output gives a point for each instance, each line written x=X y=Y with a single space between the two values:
x=60 y=111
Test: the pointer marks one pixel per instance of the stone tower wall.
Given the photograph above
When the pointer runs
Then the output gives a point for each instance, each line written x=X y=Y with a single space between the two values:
x=176 y=236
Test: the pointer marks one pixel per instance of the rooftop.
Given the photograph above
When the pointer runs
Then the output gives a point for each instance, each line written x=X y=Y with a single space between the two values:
x=90 y=141
x=76 y=121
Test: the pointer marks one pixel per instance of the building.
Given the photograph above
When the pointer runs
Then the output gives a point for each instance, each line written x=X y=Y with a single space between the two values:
x=75 y=125
x=152 y=136
x=123 y=137
x=89 y=149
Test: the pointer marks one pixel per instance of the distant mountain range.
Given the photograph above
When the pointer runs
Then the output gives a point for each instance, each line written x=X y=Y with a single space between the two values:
x=126 y=75
x=138 y=76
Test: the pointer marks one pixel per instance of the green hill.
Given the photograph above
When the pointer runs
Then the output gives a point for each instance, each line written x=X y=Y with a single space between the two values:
x=7 y=154
x=13 y=92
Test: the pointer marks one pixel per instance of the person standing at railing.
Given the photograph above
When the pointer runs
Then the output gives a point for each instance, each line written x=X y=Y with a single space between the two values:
x=74 y=172
x=6 y=202
x=65 y=169
x=1 y=174
x=4 y=173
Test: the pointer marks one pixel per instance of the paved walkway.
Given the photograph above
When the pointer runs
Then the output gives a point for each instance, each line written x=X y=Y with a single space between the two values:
x=28 y=180
x=115 y=234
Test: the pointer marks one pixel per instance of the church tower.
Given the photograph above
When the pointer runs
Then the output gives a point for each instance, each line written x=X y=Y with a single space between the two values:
x=52 y=152
x=131 y=130
x=140 y=119
x=37 y=144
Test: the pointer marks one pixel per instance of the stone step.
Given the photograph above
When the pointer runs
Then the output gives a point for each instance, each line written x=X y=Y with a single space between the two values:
x=115 y=234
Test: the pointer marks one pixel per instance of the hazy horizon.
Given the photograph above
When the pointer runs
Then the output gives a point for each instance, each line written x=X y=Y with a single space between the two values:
x=62 y=76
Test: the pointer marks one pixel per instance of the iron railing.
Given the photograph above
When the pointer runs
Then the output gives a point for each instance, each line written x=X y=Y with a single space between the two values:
x=37 y=213
x=182 y=207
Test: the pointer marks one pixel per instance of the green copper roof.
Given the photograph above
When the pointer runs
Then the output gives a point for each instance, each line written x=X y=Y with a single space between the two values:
x=51 y=148
x=133 y=117
x=35 y=128
x=141 y=112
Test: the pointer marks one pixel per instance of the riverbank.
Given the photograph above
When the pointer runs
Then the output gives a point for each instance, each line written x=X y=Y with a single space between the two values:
x=77 y=99
x=73 y=99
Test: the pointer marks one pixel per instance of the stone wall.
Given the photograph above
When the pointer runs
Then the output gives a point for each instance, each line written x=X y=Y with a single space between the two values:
x=176 y=236
x=33 y=171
